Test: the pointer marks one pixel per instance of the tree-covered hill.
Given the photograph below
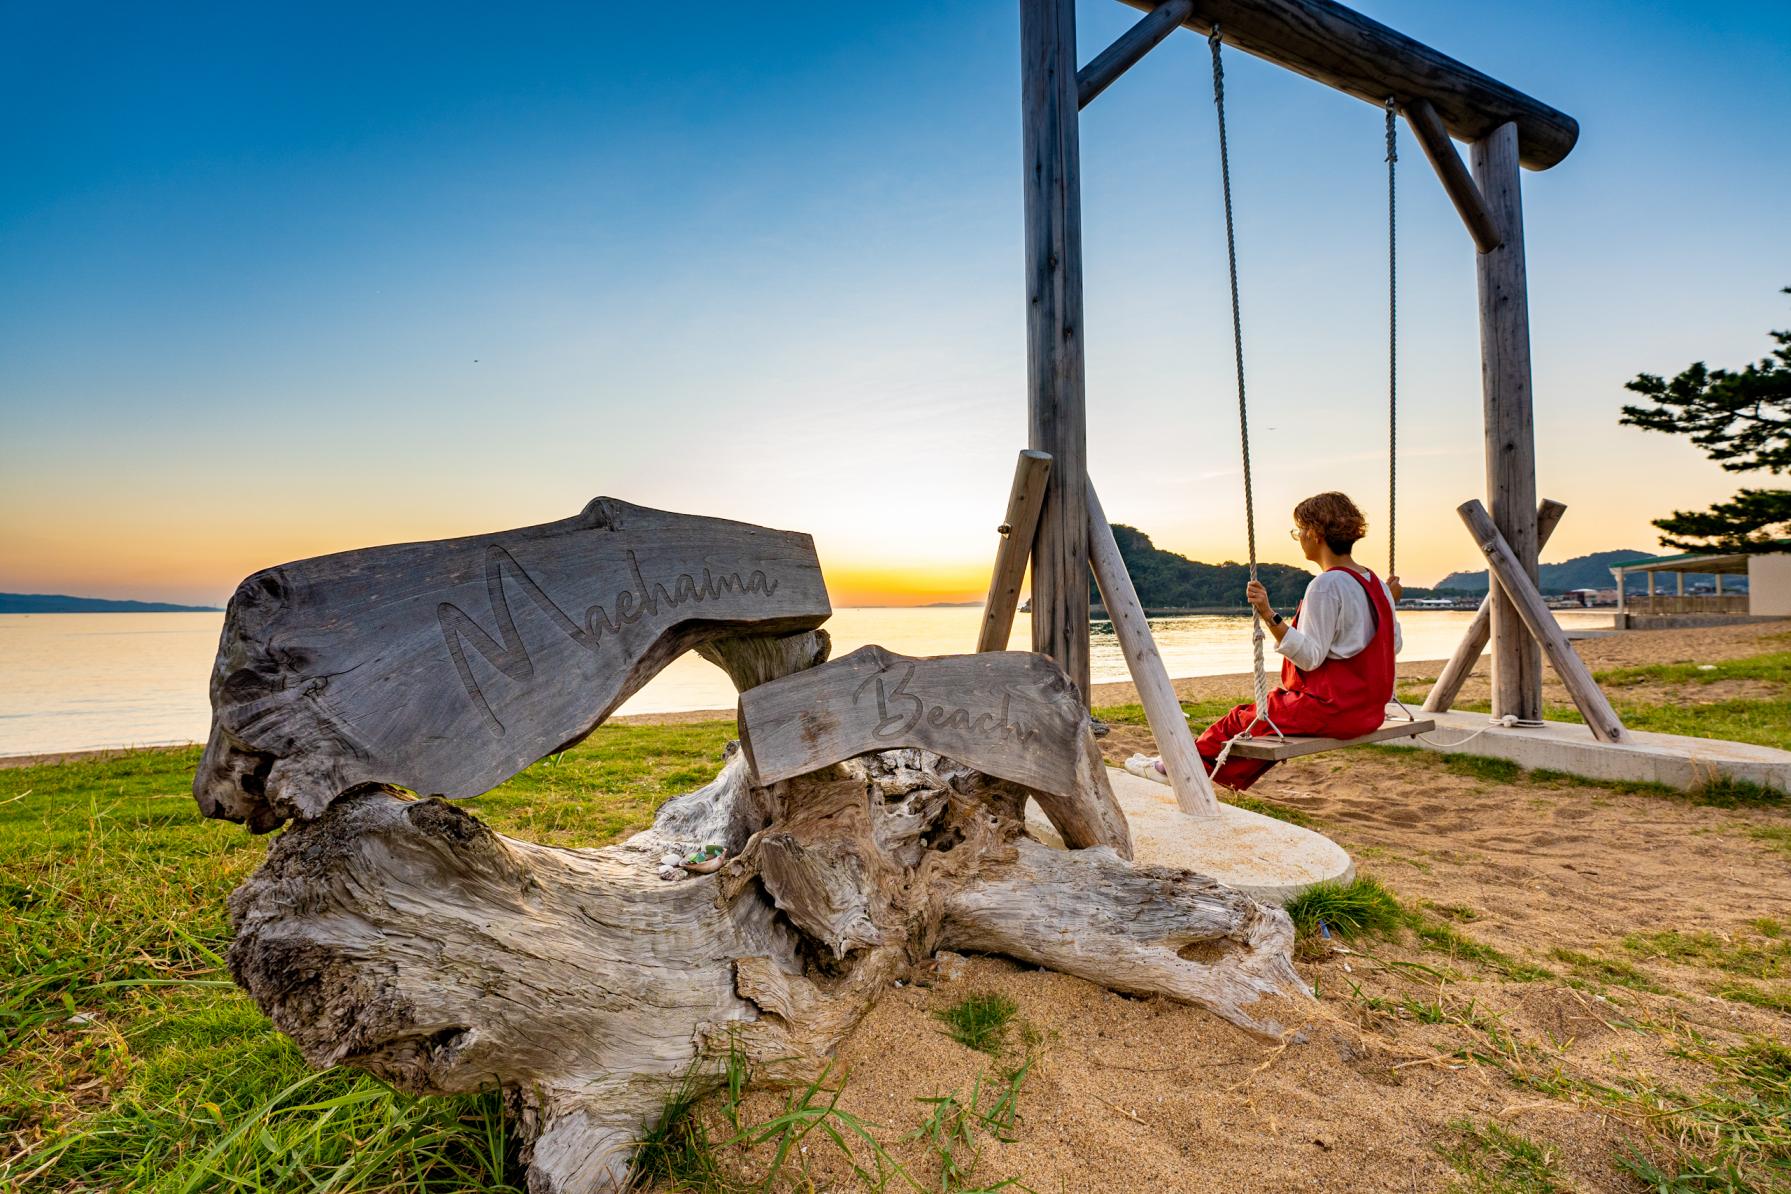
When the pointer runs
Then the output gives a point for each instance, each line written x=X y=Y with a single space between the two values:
x=1581 y=572
x=1166 y=580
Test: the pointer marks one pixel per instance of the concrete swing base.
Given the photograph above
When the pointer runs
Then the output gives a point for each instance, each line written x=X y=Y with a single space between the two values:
x=1266 y=859
x=1670 y=759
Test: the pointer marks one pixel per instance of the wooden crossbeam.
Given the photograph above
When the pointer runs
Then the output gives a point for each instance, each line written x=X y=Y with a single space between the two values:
x=1024 y=500
x=1129 y=47
x=1467 y=652
x=1539 y=620
x=1452 y=172
x=1274 y=750
x=1341 y=48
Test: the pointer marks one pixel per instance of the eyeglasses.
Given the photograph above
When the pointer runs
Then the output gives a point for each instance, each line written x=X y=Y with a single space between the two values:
x=1293 y=533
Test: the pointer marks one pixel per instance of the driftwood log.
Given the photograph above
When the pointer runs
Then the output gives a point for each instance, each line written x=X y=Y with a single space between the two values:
x=447 y=667
x=403 y=936
x=407 y=938
x=1009 y=714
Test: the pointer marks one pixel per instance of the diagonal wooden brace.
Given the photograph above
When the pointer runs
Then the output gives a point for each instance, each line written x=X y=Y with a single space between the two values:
x=1168 y=724
x=1467 y=653
x=1131 y=46
x=1024 y=501
x=1601 y=719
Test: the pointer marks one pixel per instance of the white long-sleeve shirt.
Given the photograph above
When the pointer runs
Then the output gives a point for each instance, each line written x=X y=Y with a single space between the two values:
x=1335 y=622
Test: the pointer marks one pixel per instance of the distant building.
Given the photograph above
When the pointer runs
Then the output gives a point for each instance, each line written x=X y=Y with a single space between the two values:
x=1760 y=587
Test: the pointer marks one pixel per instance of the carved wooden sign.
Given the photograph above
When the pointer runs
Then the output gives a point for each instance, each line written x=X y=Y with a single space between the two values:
x=447 y=667
x=1010 y=714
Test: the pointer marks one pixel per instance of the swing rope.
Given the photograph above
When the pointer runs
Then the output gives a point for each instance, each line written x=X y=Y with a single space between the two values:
x=1257 y=634
x=1392 y=342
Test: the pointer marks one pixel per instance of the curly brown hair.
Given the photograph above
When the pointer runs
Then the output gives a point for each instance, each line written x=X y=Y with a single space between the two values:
x=1334 y=517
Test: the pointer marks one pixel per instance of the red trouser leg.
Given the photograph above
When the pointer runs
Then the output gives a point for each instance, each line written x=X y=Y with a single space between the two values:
x=1237 y=774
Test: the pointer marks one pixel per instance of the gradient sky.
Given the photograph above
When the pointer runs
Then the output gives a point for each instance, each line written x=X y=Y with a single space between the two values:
x=277 y=280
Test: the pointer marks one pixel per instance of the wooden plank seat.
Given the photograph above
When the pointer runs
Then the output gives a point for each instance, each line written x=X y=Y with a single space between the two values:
x=1274 y=750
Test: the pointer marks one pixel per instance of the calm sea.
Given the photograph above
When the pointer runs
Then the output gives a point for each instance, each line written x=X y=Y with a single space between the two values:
x=85 y=681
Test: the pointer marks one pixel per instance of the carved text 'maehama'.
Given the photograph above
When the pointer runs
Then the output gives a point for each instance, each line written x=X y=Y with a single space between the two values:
x=509 y=655
x=901 y=710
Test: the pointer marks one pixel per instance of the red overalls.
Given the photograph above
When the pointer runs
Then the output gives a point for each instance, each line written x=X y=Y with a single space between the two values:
x=1340 y=698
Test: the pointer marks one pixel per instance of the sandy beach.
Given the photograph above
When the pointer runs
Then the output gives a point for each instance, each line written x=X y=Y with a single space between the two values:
x=1149 y=1095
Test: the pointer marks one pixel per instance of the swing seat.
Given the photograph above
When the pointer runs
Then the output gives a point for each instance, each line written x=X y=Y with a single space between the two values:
x=1274 y=750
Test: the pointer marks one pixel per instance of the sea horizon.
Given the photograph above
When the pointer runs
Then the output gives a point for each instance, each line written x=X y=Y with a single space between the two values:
x=72 y=682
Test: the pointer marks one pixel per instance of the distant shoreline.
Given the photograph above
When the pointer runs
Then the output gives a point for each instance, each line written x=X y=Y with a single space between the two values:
x=62 y=603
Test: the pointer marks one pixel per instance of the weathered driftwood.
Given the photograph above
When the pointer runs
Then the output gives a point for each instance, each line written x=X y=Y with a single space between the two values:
x=1009 y=714
x=407 y=938
x=447 y=667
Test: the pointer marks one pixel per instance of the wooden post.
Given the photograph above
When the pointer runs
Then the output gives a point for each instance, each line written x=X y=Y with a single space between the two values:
x=1510 y=431
x=1679 y=583
x=1132 y=45
x=1515 y=581
x=1054 y=363
x=1017 y=529
x=1433 y=138
x=1467 y=653
x=1622 y=601
x=1168 y=724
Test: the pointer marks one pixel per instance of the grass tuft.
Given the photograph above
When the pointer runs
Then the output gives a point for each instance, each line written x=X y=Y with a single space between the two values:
x=1354 y=909
x=1492 y=1160
x=980 y=1021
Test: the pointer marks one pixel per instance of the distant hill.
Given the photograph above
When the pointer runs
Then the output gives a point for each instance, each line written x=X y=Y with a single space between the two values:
x=1166 y=580
x=1581 y=572
x=57 y=603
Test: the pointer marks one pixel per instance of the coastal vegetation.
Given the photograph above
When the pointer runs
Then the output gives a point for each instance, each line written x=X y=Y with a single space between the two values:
x=1742 y=420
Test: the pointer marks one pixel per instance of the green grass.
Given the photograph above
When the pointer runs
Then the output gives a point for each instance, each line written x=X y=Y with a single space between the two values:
x=1717 y=792
x=1492 y=1160
x=1765 y=958
x=1201 y=713
x=128 y=1058
x=1358 y=908
x=979 y=1021
x=1590 y=968
x=1776 y=836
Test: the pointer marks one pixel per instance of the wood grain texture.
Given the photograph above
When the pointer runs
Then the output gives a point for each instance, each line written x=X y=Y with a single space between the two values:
x=1055 y=367
x=1540 y=622
x=446 y=667
x=1341 y=48
x=408 y=939
x=1295 y=746
x=1452 y=172
x=1509 y=418
x=1009 y=714
x=1455 y=673
x=1025 y=498
x=1162 y=709
x=1143 y=37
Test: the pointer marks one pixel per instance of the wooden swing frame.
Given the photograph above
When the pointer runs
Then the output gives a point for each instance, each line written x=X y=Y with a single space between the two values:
x=1441 y=99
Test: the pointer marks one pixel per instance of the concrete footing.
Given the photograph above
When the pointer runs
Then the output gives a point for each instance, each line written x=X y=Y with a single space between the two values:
x=1669 y=759
x=1266 y=859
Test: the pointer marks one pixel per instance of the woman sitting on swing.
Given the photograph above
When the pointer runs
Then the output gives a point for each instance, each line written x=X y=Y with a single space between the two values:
x=1337 y=650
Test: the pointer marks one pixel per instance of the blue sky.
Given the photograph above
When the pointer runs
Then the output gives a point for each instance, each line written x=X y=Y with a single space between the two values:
x=283 y=280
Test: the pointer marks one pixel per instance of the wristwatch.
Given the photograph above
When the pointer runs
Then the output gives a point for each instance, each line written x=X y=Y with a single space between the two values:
x=1277 y=620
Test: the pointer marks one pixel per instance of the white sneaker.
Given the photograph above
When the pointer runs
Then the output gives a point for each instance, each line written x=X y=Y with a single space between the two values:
x=1147 y=766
